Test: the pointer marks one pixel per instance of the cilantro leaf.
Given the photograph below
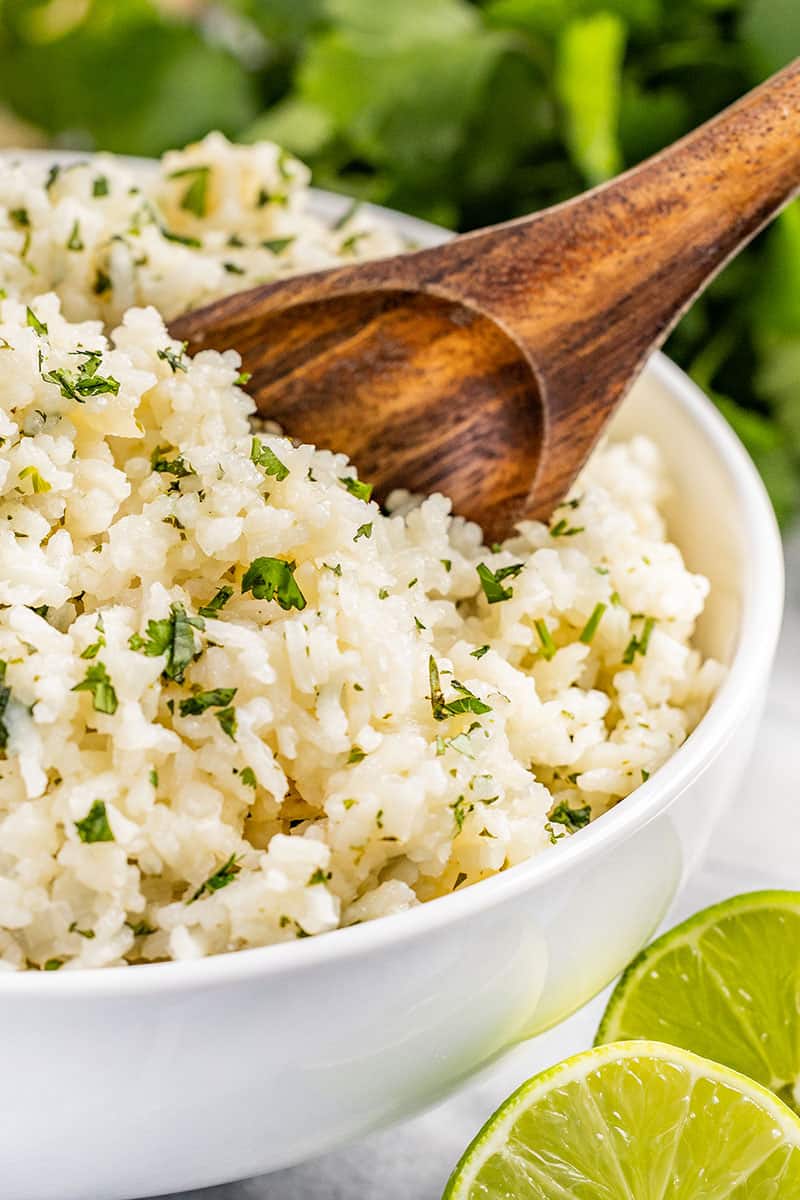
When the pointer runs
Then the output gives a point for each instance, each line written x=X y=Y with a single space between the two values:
x=227 y=721
x=214 y=698
x=466 y=702
x=34 y=323
x=491 y=581
x=639 y=645
x=277 y=245
x=262 y=456
x=361 y=491
x=96 y=681
x=169 y=466
x=77 y=385
x=220 y=879
x=216 y=603
x=173 y=637
x=5 y=696
x=173 y=357
x=94 y=827
x=38 y=482
x=75 y=240
x=273 y=579
x=572 y=818
x=195 y=198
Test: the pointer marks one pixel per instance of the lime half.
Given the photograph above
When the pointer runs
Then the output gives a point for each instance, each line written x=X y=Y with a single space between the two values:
x=725 y=984
x=634 y=1121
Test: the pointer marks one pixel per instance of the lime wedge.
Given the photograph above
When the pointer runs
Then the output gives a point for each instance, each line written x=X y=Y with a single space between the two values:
x=634 y=1121
x=725 y=984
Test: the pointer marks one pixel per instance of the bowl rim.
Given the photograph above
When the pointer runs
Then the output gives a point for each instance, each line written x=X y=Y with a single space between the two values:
x=762 y=592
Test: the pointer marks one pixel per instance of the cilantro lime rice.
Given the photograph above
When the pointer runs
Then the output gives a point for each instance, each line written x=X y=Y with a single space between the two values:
x=239 y=702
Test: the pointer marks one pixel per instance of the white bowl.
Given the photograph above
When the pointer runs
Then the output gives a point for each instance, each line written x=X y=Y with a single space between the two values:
x=133 y=1082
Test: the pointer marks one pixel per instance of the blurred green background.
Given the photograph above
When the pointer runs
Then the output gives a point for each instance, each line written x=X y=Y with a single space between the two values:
x=462 y=112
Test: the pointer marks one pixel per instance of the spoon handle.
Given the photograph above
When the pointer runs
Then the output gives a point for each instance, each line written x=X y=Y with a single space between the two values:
x=590 y=288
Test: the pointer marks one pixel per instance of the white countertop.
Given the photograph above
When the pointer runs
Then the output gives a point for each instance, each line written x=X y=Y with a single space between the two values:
x=412 y=1161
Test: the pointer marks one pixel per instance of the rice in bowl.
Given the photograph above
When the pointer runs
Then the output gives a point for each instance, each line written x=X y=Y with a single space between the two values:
x=241 y=703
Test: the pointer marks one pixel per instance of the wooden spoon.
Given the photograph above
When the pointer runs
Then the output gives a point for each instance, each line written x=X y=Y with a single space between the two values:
x=487 y=367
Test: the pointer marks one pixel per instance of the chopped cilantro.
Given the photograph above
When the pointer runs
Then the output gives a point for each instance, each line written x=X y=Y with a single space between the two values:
x=169 y=466
x=349 y=245
x=262 y=456
x=356 y=754
x=277 y=245
x=443 y=709
x=141 y=928
x=84 y=933
x=34 y=323
x=94 y=827
x=572 y=818
x=639 y=645
x=645 y=775
x=347 y=215
x=447 y=564
x=100 y=186
x=220 y=879
x=479 y=653
x=172 y=637
x=461 y=743
x=248 y=778
x=216 y=603
x=153 y=777
x=233 y=268
x=563 y=528
x=215 y=698
x=181 y=238
x=96 y=681
x=227 y=720
x=491 y=581
x=383 y=594
x=52 y=175
x=361 y=491
x=95 y=647
x=318 y=876
x=363 y=531
x=418 y=624
x=242 y=378
x=53 y=964
x=173 y=357
x=195 y=198
x=590 y=628
x=75 y=240
x=5 y=696
x=273 y=579
x=102 y=282
x=38 y=482
x=545 y=639
x=461 y=810
x=77 y=385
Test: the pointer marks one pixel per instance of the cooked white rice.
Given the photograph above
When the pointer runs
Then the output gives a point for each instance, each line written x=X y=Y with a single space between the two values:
x=175 y=784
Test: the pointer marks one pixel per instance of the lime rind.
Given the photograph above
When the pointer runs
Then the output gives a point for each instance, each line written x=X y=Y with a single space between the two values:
x=780 y=1158
x=725 y=984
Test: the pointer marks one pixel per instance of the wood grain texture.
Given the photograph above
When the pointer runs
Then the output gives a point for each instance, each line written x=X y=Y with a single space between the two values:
x=487 y=367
